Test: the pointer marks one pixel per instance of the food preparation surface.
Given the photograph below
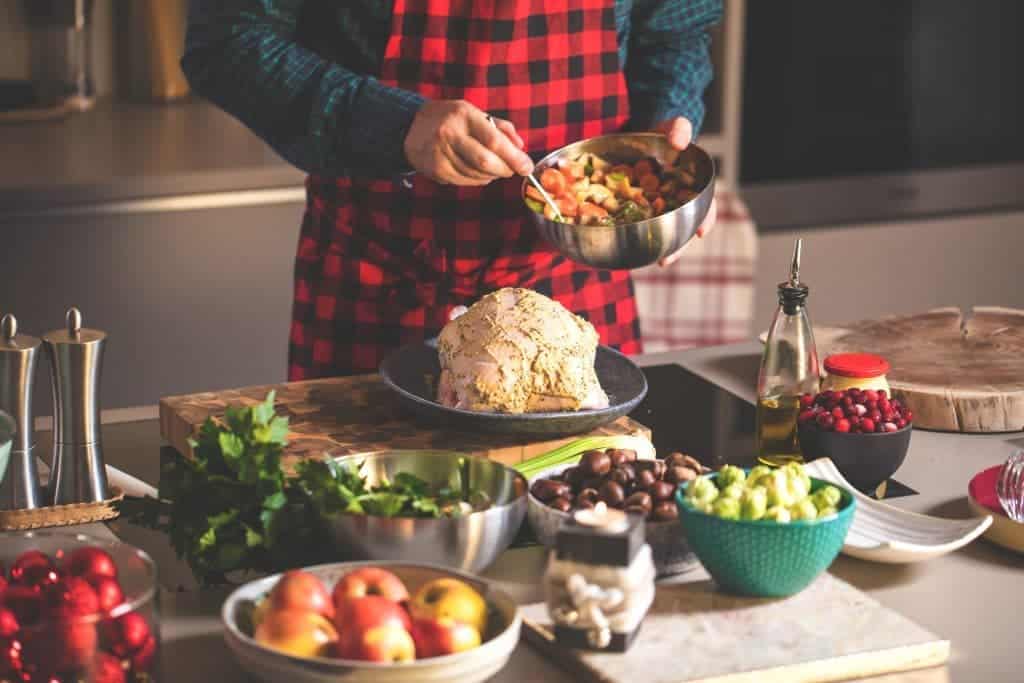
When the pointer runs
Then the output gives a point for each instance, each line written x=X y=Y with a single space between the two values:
x=828 y=632
x=960 y=373
x=354 y=415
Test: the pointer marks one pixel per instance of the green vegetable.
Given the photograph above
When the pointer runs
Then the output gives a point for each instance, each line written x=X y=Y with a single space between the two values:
x=730 y=474
x=535 y=206
x=570 y=453
x=231 y=508
x=804 y=509
x=777 y=484
x=631 y=212
x=702 y=489
x=734 y=491
x=756 y=473
x=726 y=508
x=826 y=496
x=754 y=503
x=777 y=513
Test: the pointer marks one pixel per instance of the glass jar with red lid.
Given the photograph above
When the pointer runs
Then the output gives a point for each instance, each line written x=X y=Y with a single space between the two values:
x=855 y=370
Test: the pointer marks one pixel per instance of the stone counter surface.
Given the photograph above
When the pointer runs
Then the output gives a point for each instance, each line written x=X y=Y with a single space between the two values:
x=971 y=597
x=127 y=150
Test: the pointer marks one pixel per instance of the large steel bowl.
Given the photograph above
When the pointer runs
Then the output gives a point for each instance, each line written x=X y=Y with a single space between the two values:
x=630 y=245
x=470 y=542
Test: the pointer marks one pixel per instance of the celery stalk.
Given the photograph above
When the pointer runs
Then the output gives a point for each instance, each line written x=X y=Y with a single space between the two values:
x=570 y=453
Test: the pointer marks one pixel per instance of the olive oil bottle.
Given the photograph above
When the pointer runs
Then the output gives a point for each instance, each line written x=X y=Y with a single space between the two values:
x=789 y=368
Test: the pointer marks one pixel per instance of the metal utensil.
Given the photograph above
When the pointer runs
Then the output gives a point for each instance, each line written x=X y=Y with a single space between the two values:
x=1010 y=487
x=536 y=183
x=632 y=245
x=19 y=489
x=469 y=542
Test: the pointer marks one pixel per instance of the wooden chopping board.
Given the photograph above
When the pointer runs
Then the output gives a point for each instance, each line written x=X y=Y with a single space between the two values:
x=830 y=631
x=957 y=372
x=352 y=415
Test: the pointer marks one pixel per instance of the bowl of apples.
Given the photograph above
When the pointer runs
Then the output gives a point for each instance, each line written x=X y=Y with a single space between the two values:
x=387 y=622
x=76 y=608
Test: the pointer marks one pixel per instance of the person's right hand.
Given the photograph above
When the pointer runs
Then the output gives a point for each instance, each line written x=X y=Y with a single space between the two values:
x=452 y=142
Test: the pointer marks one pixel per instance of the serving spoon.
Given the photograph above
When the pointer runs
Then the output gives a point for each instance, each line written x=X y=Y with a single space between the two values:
x=536 y=183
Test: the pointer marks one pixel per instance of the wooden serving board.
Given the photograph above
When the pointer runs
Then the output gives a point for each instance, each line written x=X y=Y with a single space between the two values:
x=694 y=634
x=957 y=372
x=352 y=415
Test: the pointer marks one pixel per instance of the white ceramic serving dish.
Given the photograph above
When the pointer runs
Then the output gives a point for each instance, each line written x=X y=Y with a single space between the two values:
x=883 y=533
x=471 y=666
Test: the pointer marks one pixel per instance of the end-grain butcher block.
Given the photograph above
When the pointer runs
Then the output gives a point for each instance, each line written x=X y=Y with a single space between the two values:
x=957 y=372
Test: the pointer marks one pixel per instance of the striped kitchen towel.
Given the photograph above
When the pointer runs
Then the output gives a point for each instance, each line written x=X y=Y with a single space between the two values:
x=707 y=296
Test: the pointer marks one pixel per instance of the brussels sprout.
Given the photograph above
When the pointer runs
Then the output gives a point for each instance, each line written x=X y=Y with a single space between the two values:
x=734 y=491
x=703 y=505
x=730 y=474
x=779 y=489
x=796 y=469
x=754 y=503
x=726 y=508
x=803 y=510
x=702 y=489
x=827 y=512
x=757 y=473
x=826 y=496
x=777 y=513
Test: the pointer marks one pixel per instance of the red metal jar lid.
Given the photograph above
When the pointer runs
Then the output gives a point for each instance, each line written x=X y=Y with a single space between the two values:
x=860 y=365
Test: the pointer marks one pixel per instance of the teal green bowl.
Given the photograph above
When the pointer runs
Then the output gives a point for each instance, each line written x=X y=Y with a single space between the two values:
x=764 y=558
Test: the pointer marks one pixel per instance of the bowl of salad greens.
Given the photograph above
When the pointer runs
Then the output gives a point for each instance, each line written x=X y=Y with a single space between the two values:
x=438 y=507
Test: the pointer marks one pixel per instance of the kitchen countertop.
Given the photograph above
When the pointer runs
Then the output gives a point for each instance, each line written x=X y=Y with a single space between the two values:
x=129 y=150
x=970 y=597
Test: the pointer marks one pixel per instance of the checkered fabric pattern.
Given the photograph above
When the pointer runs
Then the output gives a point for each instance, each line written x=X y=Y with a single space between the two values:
x=707 y=296
x=366 y=243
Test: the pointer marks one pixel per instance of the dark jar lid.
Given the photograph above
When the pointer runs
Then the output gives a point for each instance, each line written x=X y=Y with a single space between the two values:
x=859 y=365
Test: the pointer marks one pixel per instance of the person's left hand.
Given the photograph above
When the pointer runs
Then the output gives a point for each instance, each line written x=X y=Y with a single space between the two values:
x=679 y=131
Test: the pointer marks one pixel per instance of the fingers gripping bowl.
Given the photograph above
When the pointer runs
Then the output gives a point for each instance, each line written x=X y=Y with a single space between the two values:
x=642 y=242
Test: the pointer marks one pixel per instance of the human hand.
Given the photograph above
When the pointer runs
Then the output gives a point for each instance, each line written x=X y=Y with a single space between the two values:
x=679 y=132
x=453 y=142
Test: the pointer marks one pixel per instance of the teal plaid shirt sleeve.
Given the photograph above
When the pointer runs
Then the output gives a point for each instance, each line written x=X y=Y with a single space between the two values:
x=668 y=66
x=243 y=56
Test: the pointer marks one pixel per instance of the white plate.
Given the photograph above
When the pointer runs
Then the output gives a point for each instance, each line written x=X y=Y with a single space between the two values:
x=882 y=533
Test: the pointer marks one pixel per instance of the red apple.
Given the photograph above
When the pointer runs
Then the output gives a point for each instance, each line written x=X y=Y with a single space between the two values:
x=438 y=637
x=90 y=562
x=361 y=614
x=33 y=568
x=299 y=633
x=107 y=669
x=108 y=592
x=8 y=623
x=299 y=590
x=450 y=598
x=25 y=602
x=71 y=596
x=369 y=581
x=142 y=660
x=126 y=634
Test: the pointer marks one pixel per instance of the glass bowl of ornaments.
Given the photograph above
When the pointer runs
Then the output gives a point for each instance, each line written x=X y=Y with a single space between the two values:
x=74 y=608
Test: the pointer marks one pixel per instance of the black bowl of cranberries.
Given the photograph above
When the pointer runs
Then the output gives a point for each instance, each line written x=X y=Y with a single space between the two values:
x=866 y=433
x=618 y=478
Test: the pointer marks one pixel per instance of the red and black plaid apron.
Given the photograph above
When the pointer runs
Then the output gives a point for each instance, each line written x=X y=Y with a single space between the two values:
x=380 y=264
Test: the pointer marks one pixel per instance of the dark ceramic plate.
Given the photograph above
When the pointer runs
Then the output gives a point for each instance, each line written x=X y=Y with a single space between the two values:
x=412 y=372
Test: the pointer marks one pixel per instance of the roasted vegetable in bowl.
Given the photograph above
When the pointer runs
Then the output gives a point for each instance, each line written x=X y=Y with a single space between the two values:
x=591 y=190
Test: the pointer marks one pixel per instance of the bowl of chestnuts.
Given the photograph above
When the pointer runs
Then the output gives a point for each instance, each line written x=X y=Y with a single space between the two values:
x=618 y=478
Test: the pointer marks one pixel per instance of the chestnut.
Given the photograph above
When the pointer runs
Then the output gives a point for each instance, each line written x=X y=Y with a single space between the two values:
x=546 y=490
x=694 y=464
x=623 y=475
x=612 y=494
x=623 y=454
x=662 y=490
x=665 y=511
x=592 y=483
x=636 y=510
x=659 y=469
x=562 y=504
x=640 y=499
x=574 y=476
x=675 y=459
x=587 y=495
x=679 y=474
x=595 y=463
x=644 y=479
x=584 y=504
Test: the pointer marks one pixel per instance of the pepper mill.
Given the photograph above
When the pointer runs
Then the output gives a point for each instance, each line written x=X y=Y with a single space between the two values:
x=18 y=354
x=76 y=361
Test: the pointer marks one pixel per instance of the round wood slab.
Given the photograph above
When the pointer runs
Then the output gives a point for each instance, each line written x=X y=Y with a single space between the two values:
x=957 y=373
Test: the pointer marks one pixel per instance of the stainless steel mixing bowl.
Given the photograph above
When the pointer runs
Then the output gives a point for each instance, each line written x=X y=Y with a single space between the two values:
x=630 y=245
x=470 y=542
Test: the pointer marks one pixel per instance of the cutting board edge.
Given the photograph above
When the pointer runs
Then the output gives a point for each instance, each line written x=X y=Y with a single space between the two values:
x=924 y=655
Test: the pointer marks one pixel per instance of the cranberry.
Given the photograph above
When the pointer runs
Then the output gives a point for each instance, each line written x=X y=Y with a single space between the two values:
x=847 y=402
x=875 y=415
x=896 y=405
x=908 y=415
x=828 y=422
x=871 y=404
x=870 y=395
x=901 y=423
x=860 y=410
x=842 y=425
x=838 y=413
x=883 y=404
x=867 y=424
x=888 y=415
x=889 y=427
x=805 y=416
x=806 y=401
x=881 y=394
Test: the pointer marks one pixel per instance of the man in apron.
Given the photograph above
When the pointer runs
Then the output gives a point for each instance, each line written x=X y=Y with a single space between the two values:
x=414 y=119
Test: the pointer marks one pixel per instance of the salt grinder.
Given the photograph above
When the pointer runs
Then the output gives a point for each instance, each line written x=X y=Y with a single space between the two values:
x=18 y=354
x=599 y=582
x=76 y=361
